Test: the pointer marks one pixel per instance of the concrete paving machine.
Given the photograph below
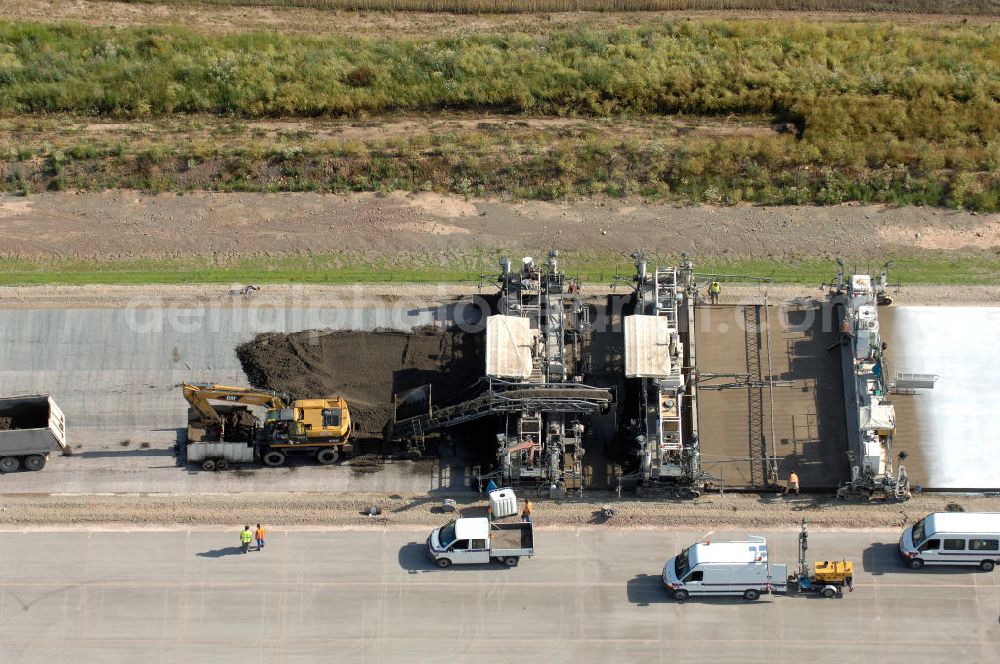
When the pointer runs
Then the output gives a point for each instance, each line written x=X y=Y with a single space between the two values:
x=870 y=413
x=218 y=435
x=662 y=445
x=533 y=383
x=827 y=578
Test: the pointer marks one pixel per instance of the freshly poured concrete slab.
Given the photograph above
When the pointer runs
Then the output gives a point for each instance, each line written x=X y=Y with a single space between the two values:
x=950 y=432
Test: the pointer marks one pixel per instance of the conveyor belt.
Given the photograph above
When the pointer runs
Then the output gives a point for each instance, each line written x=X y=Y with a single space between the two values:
x=502 y=397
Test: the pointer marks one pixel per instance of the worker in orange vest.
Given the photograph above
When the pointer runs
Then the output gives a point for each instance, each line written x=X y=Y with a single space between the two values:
x=260 y=537
x=793 y=483
x=526 y=512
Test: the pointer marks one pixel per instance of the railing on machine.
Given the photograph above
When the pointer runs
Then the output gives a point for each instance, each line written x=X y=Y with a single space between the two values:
x=500 y=396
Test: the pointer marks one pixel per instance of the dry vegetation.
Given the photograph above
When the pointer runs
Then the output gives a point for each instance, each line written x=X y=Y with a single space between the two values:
x=714 y=162
x=873 y=112
x=980 y=7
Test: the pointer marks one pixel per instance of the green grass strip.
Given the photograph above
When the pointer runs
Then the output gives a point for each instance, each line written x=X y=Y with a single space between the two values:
x=595 y=270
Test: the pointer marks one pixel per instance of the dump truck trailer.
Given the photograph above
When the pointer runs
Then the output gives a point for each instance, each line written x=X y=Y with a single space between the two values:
x=31 y=427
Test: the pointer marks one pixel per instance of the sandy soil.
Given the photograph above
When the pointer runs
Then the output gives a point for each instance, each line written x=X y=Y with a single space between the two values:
x=219 y=18
x=739 y=511
x=425 y=226
x=64 y=131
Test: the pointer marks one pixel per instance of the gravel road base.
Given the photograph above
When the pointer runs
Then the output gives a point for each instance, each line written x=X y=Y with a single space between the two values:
x=730 y=511
x=404 y=296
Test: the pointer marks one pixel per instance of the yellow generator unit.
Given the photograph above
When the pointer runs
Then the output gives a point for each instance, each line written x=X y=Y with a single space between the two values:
x=828 y=578
x=834 y=572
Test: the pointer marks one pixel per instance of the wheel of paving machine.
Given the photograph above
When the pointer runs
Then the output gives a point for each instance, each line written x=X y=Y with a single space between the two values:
x=9 y=464
x=274 y=458
x=328 y=455
x=221 y=464
x=828 y=592
x=34 y=462
x=208 y=464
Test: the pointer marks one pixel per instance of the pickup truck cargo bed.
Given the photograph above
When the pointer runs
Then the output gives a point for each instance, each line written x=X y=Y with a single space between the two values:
x=510 y=536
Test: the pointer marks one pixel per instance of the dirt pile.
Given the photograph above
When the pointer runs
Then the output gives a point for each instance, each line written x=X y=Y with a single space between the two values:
x=365 y=368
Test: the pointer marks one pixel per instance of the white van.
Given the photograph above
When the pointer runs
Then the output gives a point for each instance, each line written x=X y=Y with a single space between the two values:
x=724 y=568
x=953 y=538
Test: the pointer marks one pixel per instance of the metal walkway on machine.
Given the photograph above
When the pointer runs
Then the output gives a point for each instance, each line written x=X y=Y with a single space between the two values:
x=503 y=396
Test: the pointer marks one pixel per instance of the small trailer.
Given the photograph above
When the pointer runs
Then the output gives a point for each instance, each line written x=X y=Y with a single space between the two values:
x=31 y=427
x=472 y=541
x=827 y=577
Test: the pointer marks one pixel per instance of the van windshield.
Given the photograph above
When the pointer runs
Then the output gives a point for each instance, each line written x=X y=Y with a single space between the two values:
x=918 y=532
x=681 y=568
x=447 y=535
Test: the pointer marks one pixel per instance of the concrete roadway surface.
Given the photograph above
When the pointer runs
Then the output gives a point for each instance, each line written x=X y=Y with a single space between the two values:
x=590 y=595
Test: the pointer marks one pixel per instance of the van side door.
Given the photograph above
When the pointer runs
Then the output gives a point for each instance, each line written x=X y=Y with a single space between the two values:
x=694 y=582
x=929 y=550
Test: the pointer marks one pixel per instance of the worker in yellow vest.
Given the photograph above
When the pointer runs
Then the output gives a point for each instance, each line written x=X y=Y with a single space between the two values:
x=714 y=289
x=245 y=537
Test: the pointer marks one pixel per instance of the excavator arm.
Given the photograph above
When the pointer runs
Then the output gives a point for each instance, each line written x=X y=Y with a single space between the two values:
x=199 y=396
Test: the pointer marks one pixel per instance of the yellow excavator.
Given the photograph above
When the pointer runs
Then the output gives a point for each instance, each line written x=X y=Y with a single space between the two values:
x=222 y=434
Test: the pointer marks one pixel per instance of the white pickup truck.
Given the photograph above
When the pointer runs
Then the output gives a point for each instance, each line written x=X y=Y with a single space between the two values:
x=479 y=540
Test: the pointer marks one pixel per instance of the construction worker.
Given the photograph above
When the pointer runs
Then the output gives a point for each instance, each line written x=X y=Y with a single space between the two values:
x=714 y=289
x=526 y=512
x=259 y=536
x=245 y=537
x=793 y=483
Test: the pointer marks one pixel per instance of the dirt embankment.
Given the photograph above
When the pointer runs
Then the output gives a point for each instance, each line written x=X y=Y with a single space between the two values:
x=430 y=230
x=731 y=511
x=365 y=368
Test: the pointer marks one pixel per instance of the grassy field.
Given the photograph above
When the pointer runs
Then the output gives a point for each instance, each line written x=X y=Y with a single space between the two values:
x=529 y=6
x=664 y=160
x=873 y=112
x=594 y=269
x=832 y=80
